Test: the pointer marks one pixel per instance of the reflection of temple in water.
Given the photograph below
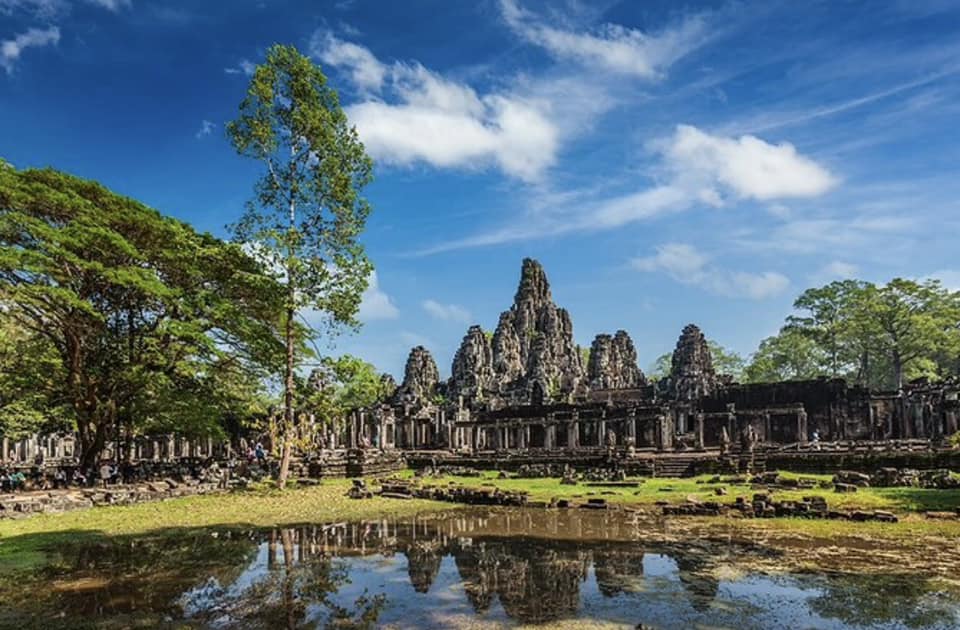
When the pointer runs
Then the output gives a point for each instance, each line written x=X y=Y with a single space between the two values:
x=618 y=571
x=534 y=579
x=520 y=565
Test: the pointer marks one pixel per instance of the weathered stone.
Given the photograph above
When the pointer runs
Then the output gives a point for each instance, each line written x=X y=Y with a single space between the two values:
x=535 y=358
x=613 y=363
x=420 y=378
x=691 y=371
x=472 y=374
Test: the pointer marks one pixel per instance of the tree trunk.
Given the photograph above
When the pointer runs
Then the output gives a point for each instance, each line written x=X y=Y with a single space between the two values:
x=289 y=385
x=897 y=369
x=288 y=388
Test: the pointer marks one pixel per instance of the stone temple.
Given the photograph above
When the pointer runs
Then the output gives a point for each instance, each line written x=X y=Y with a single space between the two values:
x=528 y=392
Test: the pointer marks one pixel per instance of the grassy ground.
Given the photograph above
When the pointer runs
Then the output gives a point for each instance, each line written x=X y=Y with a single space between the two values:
x=908 y=503
x=24 y=542
x=900 y=500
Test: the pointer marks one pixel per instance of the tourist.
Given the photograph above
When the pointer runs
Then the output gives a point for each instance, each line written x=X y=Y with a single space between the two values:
x=17 y=481
x=816 y=440
x=78 y=478
x=260 y=454
x=59 y=479
x=39 y=478
x=105 y=474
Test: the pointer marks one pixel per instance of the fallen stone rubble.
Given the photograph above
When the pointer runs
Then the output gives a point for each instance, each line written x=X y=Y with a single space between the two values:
x=401 y=489
x=940 y=479
x=23 y=505
x=763 y=506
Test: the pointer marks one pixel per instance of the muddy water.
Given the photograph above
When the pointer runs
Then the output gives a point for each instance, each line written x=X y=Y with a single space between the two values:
x=488 y=568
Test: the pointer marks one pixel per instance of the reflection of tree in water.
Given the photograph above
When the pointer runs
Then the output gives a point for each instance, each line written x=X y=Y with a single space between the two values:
x=130 y=576
x=534 y=581
x=618 y=571
x=295 y=592
x=865 y=600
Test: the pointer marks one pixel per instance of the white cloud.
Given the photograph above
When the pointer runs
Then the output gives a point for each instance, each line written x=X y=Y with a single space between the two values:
x=747 y=166
x=245 y=67
x=699 y=168
x=112 y=5
x=687 y=265
x=822 y=234
x=441 y=122
x=447 y=312
x=366 y=71
x=612 y=47
x=375 y=303
x=11 y=49
x=44 y=9
x=950 y=278
x=206 y=128
x=838 y=270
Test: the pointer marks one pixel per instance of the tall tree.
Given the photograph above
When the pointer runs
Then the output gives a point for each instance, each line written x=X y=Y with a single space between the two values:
x=788 y=355
x=726 y=361
x=307 y=214
x=910 y=323
x=826 y=319
x=135 y=304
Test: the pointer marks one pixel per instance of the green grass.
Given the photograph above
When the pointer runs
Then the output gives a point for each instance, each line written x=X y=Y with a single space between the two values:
x=25 y=542
x=676 y=490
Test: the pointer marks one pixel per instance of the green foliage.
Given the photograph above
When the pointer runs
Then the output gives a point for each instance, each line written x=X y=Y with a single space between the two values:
x=340 y=385
x=129 y=310
x=882 y=335
x=661 y=367
x=955 y=440
x=789 y=355
x=29 y=368
x=726 y=361
x=307 y=213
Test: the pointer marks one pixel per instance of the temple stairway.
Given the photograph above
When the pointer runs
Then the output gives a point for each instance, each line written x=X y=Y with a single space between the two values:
x=692 y=464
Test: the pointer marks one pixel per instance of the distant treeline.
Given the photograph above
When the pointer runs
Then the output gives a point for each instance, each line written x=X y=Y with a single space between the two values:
x=875 y=335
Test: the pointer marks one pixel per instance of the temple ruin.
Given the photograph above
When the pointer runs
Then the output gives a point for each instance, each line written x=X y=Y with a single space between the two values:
x=527 y=391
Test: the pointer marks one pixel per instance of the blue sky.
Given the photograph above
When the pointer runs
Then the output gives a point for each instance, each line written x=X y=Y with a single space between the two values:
x=667 y=162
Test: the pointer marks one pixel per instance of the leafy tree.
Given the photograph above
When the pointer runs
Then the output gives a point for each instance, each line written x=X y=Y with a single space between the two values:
x=910 y=323
x=307 y=213
x=827 y=319
x=789 y=355
x=29 y=365
x=661 y=367
x=726 y=361
x=137 y=307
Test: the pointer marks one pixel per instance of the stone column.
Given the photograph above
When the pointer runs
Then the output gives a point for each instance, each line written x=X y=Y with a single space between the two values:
x=698 y=430
x=802 y=426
